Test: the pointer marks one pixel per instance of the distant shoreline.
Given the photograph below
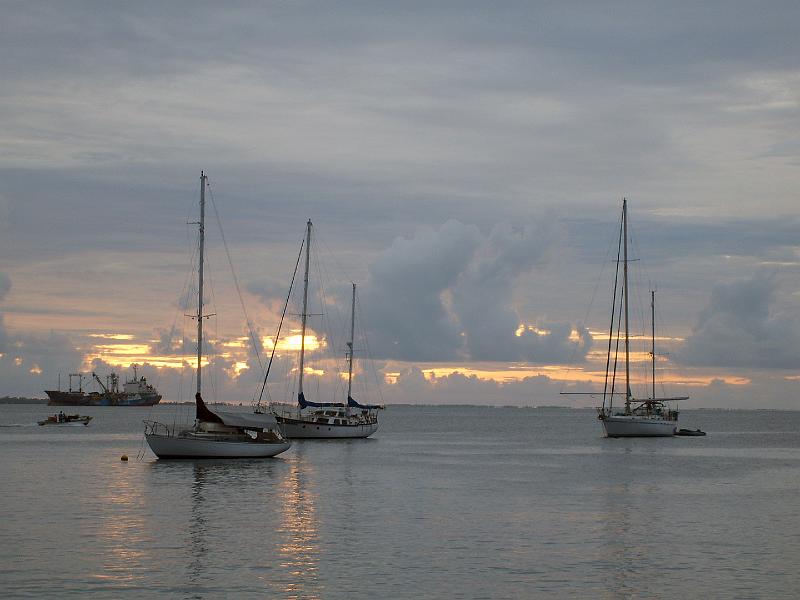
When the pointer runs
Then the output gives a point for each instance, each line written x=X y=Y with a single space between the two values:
x=543 y=407
x=20 y=400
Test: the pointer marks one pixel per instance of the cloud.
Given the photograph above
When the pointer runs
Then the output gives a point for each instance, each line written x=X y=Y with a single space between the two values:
x=403 y=299
x=271 y=290
x=484 y=299
x=5 y=285
x=31 y=363
x=413 y=387
x=379 y=120
x=739 y=328
x=449 y=294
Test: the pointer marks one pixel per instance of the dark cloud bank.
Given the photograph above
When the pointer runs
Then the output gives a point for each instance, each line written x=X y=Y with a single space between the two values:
x=740 y=328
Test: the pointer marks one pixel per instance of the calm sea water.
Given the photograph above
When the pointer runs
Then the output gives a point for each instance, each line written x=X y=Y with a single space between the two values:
x=443 y=502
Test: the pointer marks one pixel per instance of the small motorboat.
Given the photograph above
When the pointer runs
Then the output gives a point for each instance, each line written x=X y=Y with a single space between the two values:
x=66 y=420
x=689 y=432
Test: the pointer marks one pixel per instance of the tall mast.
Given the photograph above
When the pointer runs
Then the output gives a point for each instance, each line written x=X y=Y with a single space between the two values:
x=201 y=225
x=625 y=296
x=653 y=332
x=304 y=316
x=350 y=346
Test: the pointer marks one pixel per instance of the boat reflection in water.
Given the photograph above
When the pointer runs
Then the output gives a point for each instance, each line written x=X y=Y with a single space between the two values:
x=121 y=531
x=198 y=527
x=616 y=535
x=299 y=547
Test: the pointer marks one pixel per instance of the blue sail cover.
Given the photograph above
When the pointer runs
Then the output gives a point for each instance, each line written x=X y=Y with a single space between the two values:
x=301 y=400
x=353 y=404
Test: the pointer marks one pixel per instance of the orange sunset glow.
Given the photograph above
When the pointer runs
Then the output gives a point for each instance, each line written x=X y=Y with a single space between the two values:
x=120 y=350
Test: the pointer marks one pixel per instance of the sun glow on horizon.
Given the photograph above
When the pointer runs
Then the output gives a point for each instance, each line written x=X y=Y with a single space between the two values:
x=293 y=342
x=558 y=373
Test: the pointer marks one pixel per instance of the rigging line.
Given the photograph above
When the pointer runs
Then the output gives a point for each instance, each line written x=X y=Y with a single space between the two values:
x=616 y=351
x=280 y=325
x=336 y=319
x=327 y=324
x=639 y=339
x=591 y=303
x=253 y=338
x=321 y=241
x=363 y=329
x=613 y=306
x=187 y=282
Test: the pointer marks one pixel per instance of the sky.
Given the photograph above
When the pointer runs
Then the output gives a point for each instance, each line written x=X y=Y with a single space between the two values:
x=463 y=163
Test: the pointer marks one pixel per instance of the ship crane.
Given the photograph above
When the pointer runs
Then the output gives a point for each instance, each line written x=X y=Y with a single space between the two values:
x=97 y=379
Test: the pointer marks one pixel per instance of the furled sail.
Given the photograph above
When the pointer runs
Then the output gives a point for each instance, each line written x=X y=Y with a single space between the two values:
x=301 y=400
x=353 y=404
x=203 y=412
x=254 y=421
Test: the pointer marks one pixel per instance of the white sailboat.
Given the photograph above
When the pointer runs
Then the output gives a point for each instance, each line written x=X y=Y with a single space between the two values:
x=326 y=420
x=215 y=433
x=641 y=417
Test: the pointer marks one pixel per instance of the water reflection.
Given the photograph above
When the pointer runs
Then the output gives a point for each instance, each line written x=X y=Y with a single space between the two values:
x=299 y=549
x=206 y=504
x=616 y=533
x=198 y=527
x=121 y=530
x=631 y=518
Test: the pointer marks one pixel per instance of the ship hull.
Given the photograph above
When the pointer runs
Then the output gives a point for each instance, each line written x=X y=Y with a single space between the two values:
x=616 y=426
x=73 y=422
x=59 y=398
x=167 y=446
x=301 y=429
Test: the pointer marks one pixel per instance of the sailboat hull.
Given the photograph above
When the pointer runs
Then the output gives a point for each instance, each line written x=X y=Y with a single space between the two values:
x=167 y=446
x=635 y=426
x=301 y=429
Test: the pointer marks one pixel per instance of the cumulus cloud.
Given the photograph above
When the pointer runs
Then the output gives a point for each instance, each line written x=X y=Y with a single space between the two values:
x=449 y=294
x=31 y=363
x=404 y=298
x=740 y=328
x=484 y=300
x=413 y=387
x=270 y=290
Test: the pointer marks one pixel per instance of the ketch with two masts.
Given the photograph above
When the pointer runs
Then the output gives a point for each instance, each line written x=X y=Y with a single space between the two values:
x=326 y=420
x=639 y=417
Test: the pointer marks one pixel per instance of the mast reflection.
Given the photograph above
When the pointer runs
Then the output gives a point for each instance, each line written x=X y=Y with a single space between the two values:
x=619 y=542
x=198 y=525
x=299 y=549
x=122 y=531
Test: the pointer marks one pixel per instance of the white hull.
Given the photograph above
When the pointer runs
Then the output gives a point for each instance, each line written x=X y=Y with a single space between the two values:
x=636 y=426
x=167 y=446
x=296 y=428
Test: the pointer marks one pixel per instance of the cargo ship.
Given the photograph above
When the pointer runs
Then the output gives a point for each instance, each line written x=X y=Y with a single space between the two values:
x=135 y=392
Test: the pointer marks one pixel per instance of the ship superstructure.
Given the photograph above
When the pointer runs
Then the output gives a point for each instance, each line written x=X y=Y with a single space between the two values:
x=135 y=392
